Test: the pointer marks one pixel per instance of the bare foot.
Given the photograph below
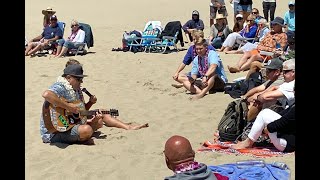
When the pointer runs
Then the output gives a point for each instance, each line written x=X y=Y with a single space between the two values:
x=136 y=127
x=233 y=69
x=195 y=97
x=177 y=85
x=243 y=144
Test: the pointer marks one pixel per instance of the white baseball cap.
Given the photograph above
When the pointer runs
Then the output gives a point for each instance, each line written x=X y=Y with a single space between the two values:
x=239 y=16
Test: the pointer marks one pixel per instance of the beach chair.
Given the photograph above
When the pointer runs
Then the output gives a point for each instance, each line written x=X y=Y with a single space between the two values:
x=148 y=37
x=170 y=36
x=166 y=42
x=88 y=41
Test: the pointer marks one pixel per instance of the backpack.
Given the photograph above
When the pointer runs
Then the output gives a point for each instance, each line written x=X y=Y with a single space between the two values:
x=233 y=121
x=236 y=90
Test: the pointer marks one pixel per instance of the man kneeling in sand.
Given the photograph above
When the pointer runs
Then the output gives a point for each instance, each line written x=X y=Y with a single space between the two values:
x=179 y=157
x=68 y=87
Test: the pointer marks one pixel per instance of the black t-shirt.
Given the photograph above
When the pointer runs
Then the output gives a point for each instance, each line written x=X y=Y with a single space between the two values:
x=245 y=2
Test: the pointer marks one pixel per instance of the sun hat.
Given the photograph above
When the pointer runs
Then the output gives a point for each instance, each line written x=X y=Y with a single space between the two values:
x=49 y=9
x=74 y=70
x=278 y=20
x=219 y=16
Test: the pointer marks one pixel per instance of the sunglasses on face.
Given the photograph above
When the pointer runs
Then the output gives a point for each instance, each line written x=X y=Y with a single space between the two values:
x=270 y=70
x=254 y=12
x=249 y=20
x=291 y=43
x=78 y=78
x=73 y=25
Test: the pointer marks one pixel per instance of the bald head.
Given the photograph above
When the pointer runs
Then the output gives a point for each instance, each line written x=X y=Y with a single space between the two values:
x=178 y=150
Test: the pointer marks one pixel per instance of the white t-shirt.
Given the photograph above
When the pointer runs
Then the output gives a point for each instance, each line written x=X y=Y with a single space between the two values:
x=287 y=91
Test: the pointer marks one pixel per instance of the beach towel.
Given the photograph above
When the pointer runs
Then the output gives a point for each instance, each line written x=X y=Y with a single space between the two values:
x=263 y=171
x=257 y=152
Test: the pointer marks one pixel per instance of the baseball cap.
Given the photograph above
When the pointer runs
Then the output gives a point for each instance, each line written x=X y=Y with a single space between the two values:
x=291 y=3
x=239 y=16
x=275 y=63
x=74 y=70
x=289 y=65
x=53 y=17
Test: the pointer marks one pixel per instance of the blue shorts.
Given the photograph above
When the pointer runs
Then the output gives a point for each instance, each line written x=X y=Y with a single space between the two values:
x=246 y=8
x=67 y=44
x=69 y=137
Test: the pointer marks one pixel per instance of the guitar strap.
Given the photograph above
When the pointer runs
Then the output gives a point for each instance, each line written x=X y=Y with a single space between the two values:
x=47 y=117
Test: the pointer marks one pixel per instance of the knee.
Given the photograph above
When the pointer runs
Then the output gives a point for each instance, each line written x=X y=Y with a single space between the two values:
x=67 y=44
x=85 y=132
x=256 y=65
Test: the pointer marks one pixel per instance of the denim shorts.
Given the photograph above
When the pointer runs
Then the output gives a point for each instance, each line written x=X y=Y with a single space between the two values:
x=68 y=137
x=246 y=8
x=67 y=44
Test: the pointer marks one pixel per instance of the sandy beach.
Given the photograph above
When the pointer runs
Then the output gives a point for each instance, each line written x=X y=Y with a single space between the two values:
x=138 y=85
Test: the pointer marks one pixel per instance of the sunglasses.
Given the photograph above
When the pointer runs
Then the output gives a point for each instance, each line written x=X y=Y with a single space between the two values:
x=78 y=78
x=249 y=20
x=254 y=12
x=291 y=43
x=270 y=70
x=73 y=25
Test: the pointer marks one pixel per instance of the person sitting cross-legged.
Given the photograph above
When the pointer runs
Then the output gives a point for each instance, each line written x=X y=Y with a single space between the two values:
x=188 y=58
x=208 y=67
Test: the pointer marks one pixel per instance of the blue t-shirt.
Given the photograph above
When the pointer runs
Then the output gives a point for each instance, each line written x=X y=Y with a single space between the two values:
x=188 y=58
x=50 y=32
x=289 y=19
x=59 y=89
x=213 y=58
x=252 y=31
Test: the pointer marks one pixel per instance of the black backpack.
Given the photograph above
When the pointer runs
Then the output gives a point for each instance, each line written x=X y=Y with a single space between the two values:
x=236 y=90
x=233 y=121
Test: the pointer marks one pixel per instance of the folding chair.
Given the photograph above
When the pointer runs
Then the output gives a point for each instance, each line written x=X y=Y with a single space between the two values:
x=166 y=42
x=88 y=41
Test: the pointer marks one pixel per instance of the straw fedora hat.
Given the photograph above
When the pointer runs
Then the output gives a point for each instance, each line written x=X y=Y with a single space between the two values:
x=49 y=9
x=220 y=16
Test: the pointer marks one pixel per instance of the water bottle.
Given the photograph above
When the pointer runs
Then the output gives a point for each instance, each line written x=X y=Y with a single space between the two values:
x=250 y=163
x=280 y=165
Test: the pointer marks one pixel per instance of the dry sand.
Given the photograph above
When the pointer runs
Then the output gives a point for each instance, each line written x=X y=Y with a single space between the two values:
x=136 y=84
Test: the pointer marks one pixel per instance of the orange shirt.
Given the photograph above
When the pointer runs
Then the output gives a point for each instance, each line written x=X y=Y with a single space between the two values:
x=268 y=43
